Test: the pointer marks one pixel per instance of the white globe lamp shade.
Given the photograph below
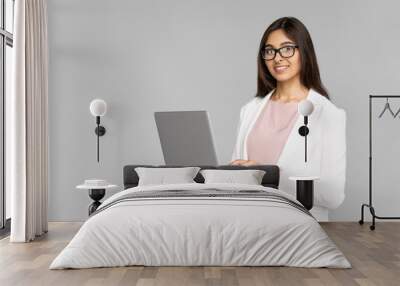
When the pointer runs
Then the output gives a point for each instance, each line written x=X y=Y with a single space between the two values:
x=98 y=107
x=305 y=107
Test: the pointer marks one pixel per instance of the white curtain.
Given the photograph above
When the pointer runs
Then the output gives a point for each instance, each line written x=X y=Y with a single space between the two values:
x=27 y=123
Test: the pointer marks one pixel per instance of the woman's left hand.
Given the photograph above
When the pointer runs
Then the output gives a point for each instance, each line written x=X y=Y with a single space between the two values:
x=245 y=162
x=250 y=163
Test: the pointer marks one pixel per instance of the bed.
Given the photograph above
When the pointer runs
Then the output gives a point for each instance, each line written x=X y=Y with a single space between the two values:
x=201 y=224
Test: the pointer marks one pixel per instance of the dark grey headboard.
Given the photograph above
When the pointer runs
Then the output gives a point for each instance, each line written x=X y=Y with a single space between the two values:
x=270 y=179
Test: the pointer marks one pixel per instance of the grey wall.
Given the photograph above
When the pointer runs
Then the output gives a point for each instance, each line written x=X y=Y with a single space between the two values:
x=144 y=56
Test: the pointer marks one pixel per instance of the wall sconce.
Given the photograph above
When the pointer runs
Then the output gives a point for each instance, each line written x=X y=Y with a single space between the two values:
x=305 y=108
x=98 y=108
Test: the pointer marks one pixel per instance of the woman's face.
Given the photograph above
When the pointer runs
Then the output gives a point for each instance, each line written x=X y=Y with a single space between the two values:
x=281 y=68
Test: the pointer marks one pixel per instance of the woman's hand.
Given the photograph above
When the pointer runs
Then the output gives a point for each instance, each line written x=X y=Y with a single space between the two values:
x=237 y=162
x=244 y=162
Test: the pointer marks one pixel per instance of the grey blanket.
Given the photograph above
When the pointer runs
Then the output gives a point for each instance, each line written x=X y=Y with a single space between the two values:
x=205 y=194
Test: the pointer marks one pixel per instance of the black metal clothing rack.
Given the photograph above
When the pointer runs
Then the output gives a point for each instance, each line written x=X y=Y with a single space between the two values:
x=369 y=205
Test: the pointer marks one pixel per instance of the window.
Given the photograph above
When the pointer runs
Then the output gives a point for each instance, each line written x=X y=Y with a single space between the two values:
x=6 y=44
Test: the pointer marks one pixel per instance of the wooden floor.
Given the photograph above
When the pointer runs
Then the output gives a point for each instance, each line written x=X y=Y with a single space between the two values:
x=374 y=255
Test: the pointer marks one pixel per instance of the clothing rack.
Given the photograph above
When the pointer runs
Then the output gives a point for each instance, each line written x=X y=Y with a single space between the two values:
x=369 y=205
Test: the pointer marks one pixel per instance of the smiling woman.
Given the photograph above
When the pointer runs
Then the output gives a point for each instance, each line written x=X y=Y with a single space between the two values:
x=267 y=134
x=295 y=63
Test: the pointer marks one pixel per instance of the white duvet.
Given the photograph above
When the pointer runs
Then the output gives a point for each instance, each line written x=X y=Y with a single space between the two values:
x=199 y=231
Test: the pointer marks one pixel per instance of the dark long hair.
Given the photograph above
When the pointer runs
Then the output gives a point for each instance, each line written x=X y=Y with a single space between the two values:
x=309 y=72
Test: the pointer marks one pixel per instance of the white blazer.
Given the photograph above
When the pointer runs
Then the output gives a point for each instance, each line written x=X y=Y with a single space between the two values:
x=326 y=150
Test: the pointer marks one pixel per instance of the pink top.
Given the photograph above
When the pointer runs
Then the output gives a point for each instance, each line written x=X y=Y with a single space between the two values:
x=270 y=132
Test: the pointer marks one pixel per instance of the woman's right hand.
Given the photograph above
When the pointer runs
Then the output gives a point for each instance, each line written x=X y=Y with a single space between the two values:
x=243 y=162
x=237 y=162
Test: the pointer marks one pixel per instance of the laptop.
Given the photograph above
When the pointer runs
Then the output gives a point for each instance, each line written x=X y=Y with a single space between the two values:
x=186 y=138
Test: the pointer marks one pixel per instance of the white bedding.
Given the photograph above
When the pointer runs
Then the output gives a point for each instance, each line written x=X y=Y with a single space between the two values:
x=200 y=231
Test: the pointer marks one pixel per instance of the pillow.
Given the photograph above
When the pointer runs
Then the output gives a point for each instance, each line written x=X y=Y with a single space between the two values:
x=249 y=177
x=161 y=176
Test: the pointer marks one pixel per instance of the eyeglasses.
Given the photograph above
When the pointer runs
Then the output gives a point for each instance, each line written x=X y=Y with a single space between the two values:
x=269 y=53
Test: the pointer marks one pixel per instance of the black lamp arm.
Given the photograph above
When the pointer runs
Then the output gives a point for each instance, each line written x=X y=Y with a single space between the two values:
x=303 y=131
x=100 y=131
